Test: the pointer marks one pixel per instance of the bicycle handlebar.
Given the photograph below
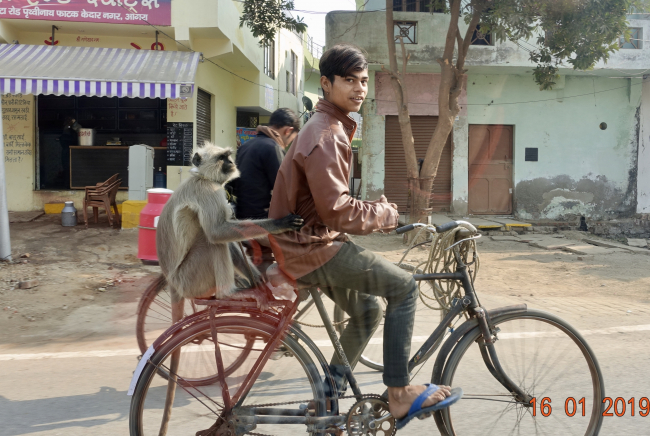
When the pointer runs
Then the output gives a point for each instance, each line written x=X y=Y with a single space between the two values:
x=447 y=226
x=405 y=229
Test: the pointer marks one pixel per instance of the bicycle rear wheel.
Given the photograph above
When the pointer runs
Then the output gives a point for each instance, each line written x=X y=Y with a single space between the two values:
x=197 y=408
x=373 y=355
x=548 y=359
x=155 y=316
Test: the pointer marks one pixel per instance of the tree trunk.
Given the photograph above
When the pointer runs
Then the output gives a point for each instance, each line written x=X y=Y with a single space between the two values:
x=451 y=86
x=420 y=180
x=398 y=83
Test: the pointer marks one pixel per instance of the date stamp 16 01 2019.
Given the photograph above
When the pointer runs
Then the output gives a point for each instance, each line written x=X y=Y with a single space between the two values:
x=612 y=407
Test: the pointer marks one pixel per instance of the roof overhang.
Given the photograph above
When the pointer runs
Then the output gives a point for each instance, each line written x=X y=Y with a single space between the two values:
x=93 y=71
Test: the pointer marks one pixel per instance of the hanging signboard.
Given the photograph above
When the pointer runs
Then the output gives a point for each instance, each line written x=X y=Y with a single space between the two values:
x=246 y=134
x=156 y=12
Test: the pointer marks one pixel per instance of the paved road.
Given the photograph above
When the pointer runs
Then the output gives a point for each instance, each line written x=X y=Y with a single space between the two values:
x=79 y=388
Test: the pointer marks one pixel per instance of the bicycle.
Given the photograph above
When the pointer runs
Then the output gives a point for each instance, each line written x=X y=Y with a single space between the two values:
x=523 y=361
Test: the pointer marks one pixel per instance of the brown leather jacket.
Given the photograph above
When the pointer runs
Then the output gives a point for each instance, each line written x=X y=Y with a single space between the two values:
x=313 y=183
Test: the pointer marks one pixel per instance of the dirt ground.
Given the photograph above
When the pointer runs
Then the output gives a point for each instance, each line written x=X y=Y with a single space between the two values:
x=83 y=273
x=78 y=272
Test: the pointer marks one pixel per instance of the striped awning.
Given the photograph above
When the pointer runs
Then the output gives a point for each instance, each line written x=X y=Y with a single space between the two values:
x=93 y=71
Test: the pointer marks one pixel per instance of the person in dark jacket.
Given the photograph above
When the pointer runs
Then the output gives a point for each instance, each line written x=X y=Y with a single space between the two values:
x=67 y=139
x=258 y=161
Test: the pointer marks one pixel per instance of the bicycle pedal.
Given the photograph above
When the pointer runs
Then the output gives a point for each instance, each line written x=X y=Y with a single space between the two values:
x=425 y=416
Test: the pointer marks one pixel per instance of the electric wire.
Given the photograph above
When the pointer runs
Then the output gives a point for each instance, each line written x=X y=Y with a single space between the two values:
x=384 y=100
x=203 y=58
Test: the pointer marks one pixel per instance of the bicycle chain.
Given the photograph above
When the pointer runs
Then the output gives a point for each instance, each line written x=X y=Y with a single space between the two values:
x=347 y=397
x=334 y=324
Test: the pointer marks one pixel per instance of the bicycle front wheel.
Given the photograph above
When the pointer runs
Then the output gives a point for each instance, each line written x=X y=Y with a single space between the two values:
x=197 y=408
x=548 y=360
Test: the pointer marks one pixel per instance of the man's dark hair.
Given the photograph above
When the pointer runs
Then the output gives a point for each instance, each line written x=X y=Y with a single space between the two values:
x=341 y=60
x=285 y=117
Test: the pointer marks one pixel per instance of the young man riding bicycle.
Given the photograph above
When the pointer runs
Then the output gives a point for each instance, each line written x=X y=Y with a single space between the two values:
x=313 y=183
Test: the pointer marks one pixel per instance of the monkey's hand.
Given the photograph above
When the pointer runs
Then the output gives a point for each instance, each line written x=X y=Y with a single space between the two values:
x=289 y=222
x=258 y=295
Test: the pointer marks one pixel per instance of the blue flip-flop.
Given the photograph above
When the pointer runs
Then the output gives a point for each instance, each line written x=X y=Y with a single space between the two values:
x=416 y=409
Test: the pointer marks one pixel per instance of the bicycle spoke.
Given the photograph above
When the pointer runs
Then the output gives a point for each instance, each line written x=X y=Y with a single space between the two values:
x=197 y=406
x=545 y=362
x=183 y=386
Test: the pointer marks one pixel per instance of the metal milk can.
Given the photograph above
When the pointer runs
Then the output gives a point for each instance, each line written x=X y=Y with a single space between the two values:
x=69 y=215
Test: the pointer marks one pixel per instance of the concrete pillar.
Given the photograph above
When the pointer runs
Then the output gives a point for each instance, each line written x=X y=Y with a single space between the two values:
x=372 y=152
x=460 y=165
x=643 y=164
x=5 y=240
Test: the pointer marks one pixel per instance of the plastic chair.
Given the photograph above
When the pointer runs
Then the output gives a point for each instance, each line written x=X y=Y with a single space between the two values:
x=102 y=195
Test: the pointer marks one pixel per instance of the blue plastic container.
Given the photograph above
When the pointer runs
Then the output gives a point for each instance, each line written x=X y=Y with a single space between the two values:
x=159 y=179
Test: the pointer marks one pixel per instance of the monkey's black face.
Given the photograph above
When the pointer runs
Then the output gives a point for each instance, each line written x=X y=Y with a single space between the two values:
x=214 y=163
x=227 y=165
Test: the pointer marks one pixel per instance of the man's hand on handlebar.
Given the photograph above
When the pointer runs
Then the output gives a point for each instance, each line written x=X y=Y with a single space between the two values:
x=439 y=229
x=384 y=200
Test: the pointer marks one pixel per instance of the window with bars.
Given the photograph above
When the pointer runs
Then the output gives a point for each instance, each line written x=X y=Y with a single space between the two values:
x=248 y=119
x=407 y=30
x=481 y=37
x=292 y=73
x=269 y=59
x=416 y=6
x=635 y=42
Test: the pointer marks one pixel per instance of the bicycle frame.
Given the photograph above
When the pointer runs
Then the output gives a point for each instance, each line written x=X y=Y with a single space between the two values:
x=478 y=318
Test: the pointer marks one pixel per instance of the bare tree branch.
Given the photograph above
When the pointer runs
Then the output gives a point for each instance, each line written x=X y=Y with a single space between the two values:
x=476 y=17
x=450 y=41
x=398 y=82
x=459 y=40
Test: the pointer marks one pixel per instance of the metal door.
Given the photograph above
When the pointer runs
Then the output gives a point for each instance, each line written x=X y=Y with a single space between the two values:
x=203 y=118
x=490 y=169
x=395 y=180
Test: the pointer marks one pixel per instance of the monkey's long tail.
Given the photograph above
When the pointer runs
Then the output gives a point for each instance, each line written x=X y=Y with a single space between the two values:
x=177 y=315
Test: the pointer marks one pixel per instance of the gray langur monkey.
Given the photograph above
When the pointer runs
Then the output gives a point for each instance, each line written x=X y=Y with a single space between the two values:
x=197 y=236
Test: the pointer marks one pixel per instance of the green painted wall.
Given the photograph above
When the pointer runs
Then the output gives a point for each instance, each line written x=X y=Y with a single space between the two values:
x=582 y=170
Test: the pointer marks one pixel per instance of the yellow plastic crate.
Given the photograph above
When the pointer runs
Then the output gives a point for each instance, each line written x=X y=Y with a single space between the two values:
x=131 y=213
x=53 y=208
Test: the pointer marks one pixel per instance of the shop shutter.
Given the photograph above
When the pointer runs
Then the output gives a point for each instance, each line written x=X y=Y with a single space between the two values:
x=203 y=117
x=395 y=182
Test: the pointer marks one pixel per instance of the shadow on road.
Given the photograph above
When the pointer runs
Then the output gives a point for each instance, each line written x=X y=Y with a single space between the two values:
x=76 y=411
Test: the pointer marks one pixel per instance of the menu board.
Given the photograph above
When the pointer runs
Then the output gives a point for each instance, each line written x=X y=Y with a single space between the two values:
x=179 y=143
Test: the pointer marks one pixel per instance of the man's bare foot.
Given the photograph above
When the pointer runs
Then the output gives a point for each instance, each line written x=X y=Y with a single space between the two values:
x=400 y=399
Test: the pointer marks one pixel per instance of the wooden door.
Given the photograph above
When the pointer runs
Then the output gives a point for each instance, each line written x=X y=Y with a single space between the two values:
x=395 y=181
x=490 y=169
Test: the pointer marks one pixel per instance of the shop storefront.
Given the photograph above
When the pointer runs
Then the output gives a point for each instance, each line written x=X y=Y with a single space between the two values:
x=89 y=105
x=85 y=140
